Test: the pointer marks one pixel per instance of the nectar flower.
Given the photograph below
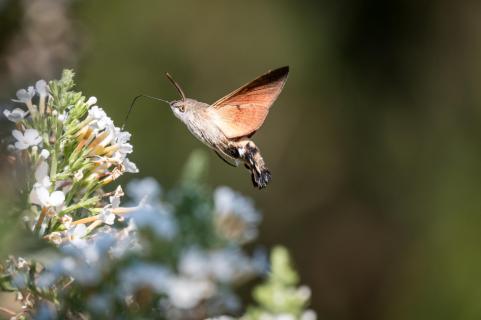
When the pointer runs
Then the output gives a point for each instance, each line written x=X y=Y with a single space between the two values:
x=27 y=139
x=15 y=115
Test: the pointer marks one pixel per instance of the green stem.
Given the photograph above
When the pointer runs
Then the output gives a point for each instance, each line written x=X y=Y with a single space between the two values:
x=79 y=205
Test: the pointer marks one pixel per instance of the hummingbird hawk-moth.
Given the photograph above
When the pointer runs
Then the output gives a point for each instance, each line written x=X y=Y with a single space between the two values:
x=227 y=125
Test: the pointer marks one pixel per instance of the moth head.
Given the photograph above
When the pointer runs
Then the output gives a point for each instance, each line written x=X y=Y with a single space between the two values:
x=183 y=108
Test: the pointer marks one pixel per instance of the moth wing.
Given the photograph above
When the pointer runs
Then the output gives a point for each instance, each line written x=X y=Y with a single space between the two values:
x=244 y=110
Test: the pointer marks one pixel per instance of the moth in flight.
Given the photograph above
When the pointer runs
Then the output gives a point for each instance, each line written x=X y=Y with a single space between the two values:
x=227 y=125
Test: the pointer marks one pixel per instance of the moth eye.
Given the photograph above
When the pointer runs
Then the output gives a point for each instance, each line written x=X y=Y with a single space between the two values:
x=181 y=108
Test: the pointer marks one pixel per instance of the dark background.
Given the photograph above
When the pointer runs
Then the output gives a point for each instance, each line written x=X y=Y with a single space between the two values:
x=374 y=143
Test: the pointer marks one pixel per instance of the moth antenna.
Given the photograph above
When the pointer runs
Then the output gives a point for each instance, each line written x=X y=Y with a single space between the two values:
x=176 y=85
x=133 y=103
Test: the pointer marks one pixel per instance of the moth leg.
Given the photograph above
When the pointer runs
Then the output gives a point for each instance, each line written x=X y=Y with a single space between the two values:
x=223 y=159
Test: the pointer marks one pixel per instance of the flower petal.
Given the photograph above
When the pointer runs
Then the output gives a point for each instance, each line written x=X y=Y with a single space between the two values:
x=57 y=198
x=30 y=134
x=33 y=196
x=42 y=87
x=17 y=134
x=20 y=145
x=43 y=196
x=41 y=171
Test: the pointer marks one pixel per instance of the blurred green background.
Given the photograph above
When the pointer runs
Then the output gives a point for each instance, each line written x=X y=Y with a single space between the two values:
x=374 y=144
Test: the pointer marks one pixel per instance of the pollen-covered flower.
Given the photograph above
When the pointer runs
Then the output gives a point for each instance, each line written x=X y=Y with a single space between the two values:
x=15 y=115
x=26 y=139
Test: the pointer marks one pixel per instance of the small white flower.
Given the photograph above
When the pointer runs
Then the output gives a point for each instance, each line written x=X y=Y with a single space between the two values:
x=139 y=189
x=304 y=293
x=76 y=233
x=107 y=216
x=195 y=264
x=185 y=293
x=42 y=88
x=130 y=166
x=27 y=139
x=159 y=220
x=15 y=115
x=42 y=197
x=44 y=154
x=230 y=265
x=42 y=182
x=142 y=275
x=115 y=198
x=91 y=101
x=100 y=118
x=25 y=96
x=122 y=141
x=236 y=217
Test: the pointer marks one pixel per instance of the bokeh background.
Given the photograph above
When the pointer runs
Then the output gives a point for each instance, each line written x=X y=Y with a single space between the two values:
x=374 y=144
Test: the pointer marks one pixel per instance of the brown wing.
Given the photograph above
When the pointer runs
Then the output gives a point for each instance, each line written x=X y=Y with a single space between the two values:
x=243 y=111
